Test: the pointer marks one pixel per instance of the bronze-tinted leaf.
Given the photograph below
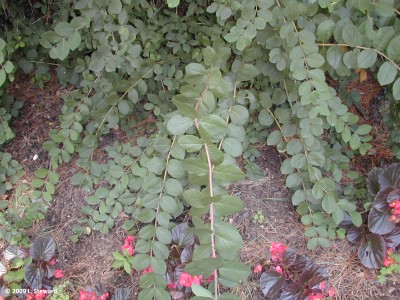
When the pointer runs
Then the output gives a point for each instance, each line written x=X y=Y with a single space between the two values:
x=372 y=181
x=381 y=199
x=43 y=248
x=34 y=276
x=390 y=175
x=356 y=234
x=372 y=252
x=378 y=222
x=271 y=283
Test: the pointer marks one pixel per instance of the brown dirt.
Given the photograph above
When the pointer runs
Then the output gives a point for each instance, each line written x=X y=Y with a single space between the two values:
x=89 y=260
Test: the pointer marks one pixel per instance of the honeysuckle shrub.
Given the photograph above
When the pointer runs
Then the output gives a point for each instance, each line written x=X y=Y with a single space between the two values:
x=381 y=230
x=207 y=80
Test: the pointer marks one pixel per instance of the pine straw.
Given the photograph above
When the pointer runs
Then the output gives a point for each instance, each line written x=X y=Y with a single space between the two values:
x=380 y=153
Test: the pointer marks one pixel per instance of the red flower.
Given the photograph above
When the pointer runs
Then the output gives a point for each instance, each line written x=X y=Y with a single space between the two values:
x=41 y=294
x=279 y=269
x=30 y=297
x=331 y=292
x=277 y=250
x=149 y=269
x=187 y=280
x=53 y=261
x=317 y=296
x=171 y=285
x=258 y=269
x=58 y=274
x=322 y=285
x=389 y=260
x=83 y=295
x=128 y=245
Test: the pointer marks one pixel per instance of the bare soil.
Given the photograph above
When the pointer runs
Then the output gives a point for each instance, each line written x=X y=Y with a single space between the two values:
x=88 y=261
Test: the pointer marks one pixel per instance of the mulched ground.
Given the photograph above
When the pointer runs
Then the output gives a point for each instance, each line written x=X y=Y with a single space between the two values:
x=88 y=261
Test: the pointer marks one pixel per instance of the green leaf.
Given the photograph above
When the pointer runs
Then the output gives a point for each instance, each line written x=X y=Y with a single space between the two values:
x=60 y=51
x=201 y=292
x=116 y=171
x=173 y=3
x=227 y=240
x=162 y=145
x=190 y=143
x=232 y=147
x=315 y=60
x=228 y=173
x=114 y=7
x=239 y=114
x=329 y=203
x=393 y=49
x=41 y=173
x=74 y=40
x=64 y=29
x=364 y=129
x=195 y=166
x=214 y=125
x=178 y=125
x=228 y=205
x=356 y=218
x=234 y=271
x=366 y=58
x=173 y=187
x=387 y=73
x=351 y=35
x=156 y=165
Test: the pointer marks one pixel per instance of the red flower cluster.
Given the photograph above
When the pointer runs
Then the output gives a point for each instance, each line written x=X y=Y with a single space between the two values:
x=128 y=245
x=395 y=217
x=277 y=250
x=187 y=280
x=38 y=295
x=85 y=295
x=316 y=296
x=58 y=274
x=389 y=260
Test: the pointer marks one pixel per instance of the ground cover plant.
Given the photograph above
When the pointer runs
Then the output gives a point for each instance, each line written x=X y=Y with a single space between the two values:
x=192 y=87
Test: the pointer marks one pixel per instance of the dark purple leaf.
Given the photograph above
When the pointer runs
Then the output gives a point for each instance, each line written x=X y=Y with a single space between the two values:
x=378 y=222
x=271 y=283
x=186 y=255
x=181 y=236
x=372 y=181
x=43 y=248
x=372 y=252
x=294 y=291
x=393 y=196
x=13 y=251
x=100 y=289
x=356 y=234
x=312 y=276
x=381 y=199
x=295 y=262
x=390 y=175
x=34 y=276
x=392 y=239
x=48 y=269
x=346 y=222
